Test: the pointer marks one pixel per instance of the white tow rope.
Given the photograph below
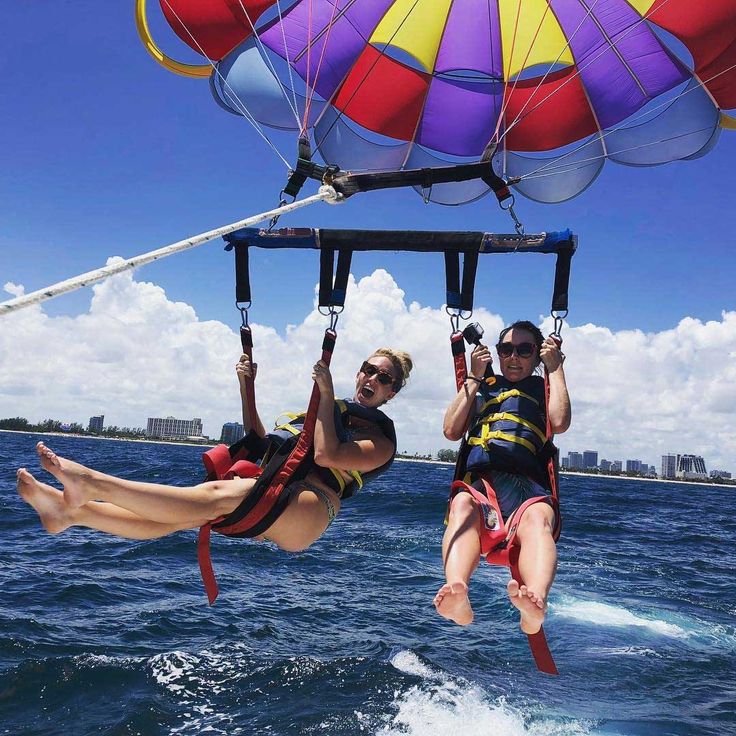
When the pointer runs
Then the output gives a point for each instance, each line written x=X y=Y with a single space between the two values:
x=326 y=193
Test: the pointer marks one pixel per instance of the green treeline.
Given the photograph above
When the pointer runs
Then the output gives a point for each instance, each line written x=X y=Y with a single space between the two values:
x=21 y=424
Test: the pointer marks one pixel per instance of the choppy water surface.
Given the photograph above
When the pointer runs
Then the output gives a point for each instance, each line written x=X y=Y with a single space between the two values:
x=106 y=636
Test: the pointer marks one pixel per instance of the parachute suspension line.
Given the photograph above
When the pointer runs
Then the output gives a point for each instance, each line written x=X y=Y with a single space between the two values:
x=310 y=94
x=231 y=93
x=507 y=97
x=550 y=170
x=381 y=53
x=304 y=124
x=520 y=116
x=91 y=277
x=292 y=105
x=288 y=60
x=579 y=69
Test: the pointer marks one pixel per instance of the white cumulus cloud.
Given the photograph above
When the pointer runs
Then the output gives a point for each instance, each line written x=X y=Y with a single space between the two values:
x=136 y=354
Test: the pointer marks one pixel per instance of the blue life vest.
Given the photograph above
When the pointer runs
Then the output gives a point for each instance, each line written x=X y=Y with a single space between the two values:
x=509 y=430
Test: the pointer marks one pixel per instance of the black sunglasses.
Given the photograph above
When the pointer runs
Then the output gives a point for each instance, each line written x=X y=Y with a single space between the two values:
x=523 y=349
x=383 y=377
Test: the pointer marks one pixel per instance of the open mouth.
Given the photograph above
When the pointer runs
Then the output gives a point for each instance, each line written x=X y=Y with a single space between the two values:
x=367 y=392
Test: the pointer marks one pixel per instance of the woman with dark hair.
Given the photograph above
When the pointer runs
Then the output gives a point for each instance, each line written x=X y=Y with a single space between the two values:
x=362 y=444
x=506 y=421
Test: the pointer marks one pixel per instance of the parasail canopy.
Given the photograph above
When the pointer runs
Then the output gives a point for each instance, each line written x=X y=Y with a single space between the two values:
x=558 y=86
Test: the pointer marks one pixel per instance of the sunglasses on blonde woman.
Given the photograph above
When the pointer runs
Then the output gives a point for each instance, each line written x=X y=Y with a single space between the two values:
x=383 y=377
x=523 y=349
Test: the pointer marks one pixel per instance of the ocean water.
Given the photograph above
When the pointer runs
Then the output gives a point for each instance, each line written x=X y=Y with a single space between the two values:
x=106 y=636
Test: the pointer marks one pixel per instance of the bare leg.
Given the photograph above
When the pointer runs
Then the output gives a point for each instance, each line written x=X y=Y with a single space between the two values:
x=56 y=516
x=303 y=522
x=537 y=566
x=153 y=501
x=460 y=553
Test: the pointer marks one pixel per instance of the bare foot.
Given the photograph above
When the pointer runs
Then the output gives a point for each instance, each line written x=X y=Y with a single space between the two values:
x=453 y=603
x=73 y=476
x=531 y=606
x=47 y=501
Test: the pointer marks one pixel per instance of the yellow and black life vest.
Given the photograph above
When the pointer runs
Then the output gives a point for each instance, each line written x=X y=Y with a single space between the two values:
x=509 y=430
x=344 y=410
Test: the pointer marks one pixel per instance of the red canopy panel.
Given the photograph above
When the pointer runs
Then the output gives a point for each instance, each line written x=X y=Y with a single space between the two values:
x=708 y=30
x=383 y=95
x=217 y=26
x=553 y=114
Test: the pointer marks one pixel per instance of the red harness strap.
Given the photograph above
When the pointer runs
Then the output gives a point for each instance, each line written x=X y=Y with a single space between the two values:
x=270 y=496
x=498 y=545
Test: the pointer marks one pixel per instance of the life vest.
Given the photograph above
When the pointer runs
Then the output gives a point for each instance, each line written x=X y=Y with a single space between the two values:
x=509 y=430
x=345 y=409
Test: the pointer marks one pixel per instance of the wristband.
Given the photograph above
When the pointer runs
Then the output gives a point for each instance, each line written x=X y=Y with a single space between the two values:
x=473 y=378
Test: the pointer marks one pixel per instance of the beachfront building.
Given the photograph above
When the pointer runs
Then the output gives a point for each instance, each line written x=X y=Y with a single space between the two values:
x=605 y=466
x=669 y=465
x=590 y=459
x=96 y=424
x=173 y=429
x=616 y=466
x=691 y=467
x=574 y=460
x=720 y=474
x=231 y=432
x=633 y=466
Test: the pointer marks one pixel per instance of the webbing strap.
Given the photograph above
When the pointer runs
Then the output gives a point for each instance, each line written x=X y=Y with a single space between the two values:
x=457 y=345
x=348 y=184
x=508 y=417
x=538 y=641
x=246 y=341
x=486 y=436
x=332 y=291
x=242 y=272
x=460 y=296
x=562 y=276
x=511 y=393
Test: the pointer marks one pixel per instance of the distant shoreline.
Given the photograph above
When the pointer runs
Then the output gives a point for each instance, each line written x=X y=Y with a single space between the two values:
x=112 y=439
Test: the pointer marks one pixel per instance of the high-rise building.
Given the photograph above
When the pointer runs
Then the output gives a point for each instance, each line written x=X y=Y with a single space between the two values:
x=669 y=465
x=96 y=424
x=231 y=432
x=590 y=459
x=616 y=466
x=565 y=463
x=575 y=459
x=633 y=466
x=171 y=428
x=605 y=466
x=690 y=467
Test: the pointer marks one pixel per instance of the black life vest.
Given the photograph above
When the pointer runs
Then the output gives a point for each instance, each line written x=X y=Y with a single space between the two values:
x=509 y=430
x=345 y=409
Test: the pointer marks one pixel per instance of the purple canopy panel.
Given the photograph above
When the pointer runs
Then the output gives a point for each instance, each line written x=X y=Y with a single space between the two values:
x=459 y=117
x=621 y=61
x=471 y=40
x=344 y=33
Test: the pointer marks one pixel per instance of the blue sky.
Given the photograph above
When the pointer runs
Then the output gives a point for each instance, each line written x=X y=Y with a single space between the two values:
x=105 y=153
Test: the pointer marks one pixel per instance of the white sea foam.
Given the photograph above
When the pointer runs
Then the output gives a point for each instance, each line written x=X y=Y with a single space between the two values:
x=605 y=614
x=441 y=704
